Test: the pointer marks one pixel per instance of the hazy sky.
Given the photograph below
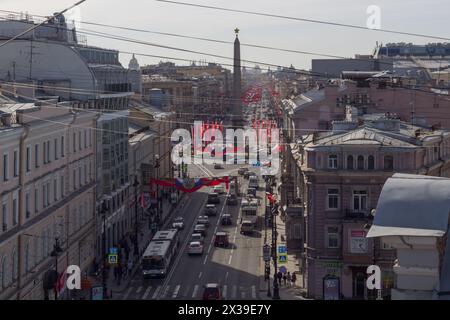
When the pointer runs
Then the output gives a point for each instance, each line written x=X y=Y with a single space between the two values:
x=426 y=17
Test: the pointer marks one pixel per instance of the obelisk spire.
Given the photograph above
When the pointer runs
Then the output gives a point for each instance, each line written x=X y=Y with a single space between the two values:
x=237 y=90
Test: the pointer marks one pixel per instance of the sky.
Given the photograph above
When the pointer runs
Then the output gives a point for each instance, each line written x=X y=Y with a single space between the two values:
x=416 y=16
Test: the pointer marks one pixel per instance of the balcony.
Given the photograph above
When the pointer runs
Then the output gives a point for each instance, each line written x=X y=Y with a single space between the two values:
x=359 y=215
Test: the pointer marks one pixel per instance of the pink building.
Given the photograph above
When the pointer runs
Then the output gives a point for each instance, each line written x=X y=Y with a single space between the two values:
x=338 y=175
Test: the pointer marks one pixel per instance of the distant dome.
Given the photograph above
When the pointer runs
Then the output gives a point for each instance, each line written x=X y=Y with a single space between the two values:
x=134 y=65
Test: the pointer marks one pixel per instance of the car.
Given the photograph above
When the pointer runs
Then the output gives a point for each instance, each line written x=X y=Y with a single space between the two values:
x=251 y=192
x=200 y=228
x=218 y=166
x=226 y=219
x=210 y=210
x=203 y=220
x=221 y=239
x=195 y=247
x=219 y=189
x=197 y=237
x=213 y=198
x=212 y=291
x=232 y=199
x=242 y=171
x=247 y=227
x=178 y=223
x=247 y=174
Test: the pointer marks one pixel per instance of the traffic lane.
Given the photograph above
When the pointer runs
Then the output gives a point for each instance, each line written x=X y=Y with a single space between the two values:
x=189 y=220
x=188 y=272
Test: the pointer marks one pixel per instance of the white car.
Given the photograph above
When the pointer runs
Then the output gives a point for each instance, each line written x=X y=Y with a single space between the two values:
x=195 y=247
x=219 y=189
x=178 y=223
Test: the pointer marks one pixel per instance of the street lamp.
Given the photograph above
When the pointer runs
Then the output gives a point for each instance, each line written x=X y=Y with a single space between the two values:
x=103 y=211
x=56 y=250
x=136 y=244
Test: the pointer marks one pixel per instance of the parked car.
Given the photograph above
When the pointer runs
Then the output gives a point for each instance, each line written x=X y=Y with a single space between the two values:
x=203 y=220
x=242 y=171
x=213 y=198
x=221 y=239
x=232 y=199
x=226 y=219
x=200 y=228
x=178 y=223
x=195 y=247
x=218 y=166
x=212 y=291
x=220 y=189
x=197 y=237
x=210 y=210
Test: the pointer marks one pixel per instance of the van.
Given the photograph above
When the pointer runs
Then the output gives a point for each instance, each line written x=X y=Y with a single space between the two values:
x=213 y=198
x=247 y=227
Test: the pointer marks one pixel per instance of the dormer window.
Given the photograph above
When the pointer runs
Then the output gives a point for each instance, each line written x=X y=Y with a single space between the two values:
x=332 y=161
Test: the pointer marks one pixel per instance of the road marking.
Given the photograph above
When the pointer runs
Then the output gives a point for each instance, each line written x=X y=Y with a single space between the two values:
x=206 y=258
x=229 y=260
x=155 y=294
x=166 y=291
x=224 y=291
x=127 y=294
x=200 y=274
x=253 y=292
x=226 y=275
x=175 y=292
x=233 y=294
x=209 y=249
x=194 y=294
x=139 y=289
x=144 y=297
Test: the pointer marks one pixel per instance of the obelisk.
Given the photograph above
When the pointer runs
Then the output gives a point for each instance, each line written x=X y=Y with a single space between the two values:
x=237 y=90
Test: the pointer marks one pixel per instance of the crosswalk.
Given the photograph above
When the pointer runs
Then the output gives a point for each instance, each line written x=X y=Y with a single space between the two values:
x=186 y=292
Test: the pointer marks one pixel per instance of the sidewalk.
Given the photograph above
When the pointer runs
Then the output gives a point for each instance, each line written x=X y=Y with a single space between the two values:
x=145 y=236
x=286 y=292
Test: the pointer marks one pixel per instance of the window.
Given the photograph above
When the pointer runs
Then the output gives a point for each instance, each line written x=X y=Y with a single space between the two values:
x=55 y=189
x=79 y=177
x=79 y=140
x=16 y=163
x=48 y=193
x=56 y=149
x=74 y=142
x=4 y=216
x=359 y=200
x=5 y=167
x=27 y=204
x=62 y=186
x=332 y=237
x=4 y=272
x=28 y=164
x=371 y=163
x=350 y=162
x=44 y=151
x=44 y=195
x=74 y=178
x=386 y=246
x=85 y=139
x=15 y=264
x=15 y=212
x=85 y=174
x=332 y=161
x=36 y=156
x=388 y=163
x=62 y=147
x=360 y=163
x=333 y=199
x=27 y=256
x=36 y=200
x=48 y=152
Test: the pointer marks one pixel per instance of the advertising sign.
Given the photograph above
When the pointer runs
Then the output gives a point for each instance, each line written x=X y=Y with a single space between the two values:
x=331 y=288
x=358 y=242
x=97 y=293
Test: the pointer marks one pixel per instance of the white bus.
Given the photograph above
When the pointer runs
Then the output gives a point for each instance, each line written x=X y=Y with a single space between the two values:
x=160 y=253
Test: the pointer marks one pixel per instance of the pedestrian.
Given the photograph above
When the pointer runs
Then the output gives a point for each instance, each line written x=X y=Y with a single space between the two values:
x=130 y=267
x=289 y=278
x=279 y=276
x=294 y=278
x=284 y=278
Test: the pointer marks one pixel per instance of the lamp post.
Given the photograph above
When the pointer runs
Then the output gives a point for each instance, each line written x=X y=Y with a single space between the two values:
x=103 y=211
x=136 y=243
x=56 y=250
x=273 y=211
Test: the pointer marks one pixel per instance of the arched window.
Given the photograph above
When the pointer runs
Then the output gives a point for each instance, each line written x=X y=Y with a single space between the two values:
x=371 y=163
x=360 y=162
x=15 y=265
x=3 y=272
x=388 y=162
x=350 y=164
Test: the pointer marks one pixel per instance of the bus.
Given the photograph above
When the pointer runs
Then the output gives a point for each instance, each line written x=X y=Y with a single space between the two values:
x=160 y=253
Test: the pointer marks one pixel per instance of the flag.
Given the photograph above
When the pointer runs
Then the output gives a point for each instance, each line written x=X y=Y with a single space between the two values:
x=271 y=197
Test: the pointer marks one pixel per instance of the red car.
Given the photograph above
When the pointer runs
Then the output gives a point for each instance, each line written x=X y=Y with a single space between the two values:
x=212 y=291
